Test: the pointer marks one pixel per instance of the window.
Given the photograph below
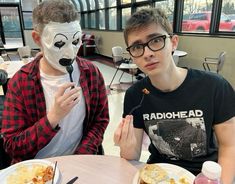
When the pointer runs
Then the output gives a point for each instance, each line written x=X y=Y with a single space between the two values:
x=84 y=5
x=197 y=16
x=167 y=6
x=28 y=5
x=141 y=7
x=125 y=1
x=93 y=20
x=77 y=5
x=101 y=3
x=86 y=20
x=102 y=19
x=126 y=13
x=113 y=19
x=92 y=4
x=112 y=3
x=27 y=18
x=192 y=16
x=227 y=18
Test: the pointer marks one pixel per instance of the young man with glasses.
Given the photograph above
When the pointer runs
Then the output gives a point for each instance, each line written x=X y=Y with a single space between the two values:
x=181 y=110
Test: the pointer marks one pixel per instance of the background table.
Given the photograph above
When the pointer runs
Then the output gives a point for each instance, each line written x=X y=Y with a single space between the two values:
x=92 y=169
x=12 y=67
x=180 y=53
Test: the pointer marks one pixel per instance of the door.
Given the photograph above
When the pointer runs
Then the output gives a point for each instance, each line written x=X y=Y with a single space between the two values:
x=11 y=26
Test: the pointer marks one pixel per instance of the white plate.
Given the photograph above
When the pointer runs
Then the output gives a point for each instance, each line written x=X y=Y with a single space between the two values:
x=10 y=170
x=173 y=171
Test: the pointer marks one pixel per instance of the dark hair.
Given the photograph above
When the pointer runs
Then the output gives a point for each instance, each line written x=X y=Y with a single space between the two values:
x=145 y=17
x=53 y=10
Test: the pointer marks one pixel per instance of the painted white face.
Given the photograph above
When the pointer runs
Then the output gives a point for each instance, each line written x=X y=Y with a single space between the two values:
x=61 y=42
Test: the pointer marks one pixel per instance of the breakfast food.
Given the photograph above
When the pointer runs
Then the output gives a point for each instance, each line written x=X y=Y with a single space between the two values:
x=155 y=174
x=152 y=174
x=34 y=174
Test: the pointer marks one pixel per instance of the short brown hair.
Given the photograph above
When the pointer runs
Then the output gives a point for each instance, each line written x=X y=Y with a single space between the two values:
x=145 y=17
x=53 y=10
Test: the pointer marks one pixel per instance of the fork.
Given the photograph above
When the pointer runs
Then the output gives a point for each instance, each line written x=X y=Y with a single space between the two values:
x=54 y=173
x=72 y=180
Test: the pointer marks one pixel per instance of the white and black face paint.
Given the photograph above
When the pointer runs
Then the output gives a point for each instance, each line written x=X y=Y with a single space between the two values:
x=61 y=42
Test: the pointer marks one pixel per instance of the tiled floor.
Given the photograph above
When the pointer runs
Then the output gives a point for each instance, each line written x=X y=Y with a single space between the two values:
x=115 y=109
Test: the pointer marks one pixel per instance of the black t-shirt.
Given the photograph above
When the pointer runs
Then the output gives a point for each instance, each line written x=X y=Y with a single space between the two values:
x=180 y=123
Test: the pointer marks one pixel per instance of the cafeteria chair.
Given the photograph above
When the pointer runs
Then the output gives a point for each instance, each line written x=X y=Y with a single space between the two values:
x=24 y=52
x=121 y=63
x=89 y=44
x=217 y=62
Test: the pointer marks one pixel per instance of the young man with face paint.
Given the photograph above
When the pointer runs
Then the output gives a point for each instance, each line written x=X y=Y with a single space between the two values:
x=181 y=110
x=46 y=114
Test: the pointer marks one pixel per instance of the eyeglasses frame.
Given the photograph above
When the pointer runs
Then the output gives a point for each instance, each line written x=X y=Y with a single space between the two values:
x=147 y=44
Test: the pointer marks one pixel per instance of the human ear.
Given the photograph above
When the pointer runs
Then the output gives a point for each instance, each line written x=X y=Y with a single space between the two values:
x=36 y=37
x=174 y=41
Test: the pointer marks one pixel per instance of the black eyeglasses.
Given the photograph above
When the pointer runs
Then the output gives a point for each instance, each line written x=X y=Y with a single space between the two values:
x=155 y=44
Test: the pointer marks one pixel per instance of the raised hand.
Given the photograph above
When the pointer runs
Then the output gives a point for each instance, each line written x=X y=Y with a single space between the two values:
x=65 y=99
x=129 y=139
x=124 y=135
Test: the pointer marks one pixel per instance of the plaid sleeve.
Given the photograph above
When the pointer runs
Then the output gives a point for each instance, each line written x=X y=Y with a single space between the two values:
x=25 y=132
x=97 y=113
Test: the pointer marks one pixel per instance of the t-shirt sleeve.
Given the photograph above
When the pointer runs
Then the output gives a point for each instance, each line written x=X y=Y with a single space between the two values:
x=224 y=101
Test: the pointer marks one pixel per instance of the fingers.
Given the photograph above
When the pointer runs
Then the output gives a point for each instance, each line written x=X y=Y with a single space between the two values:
x=127 y=127
x=63 y=87
x=124 y=131
x=117 y=133
x=71 y=96
x=66 y=96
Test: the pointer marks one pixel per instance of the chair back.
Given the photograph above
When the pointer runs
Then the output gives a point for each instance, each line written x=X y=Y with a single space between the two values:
x=117 y=53
x=221 y=60
x=24 y=52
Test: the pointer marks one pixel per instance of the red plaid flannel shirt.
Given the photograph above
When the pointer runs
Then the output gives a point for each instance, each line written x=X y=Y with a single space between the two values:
x=25 y=124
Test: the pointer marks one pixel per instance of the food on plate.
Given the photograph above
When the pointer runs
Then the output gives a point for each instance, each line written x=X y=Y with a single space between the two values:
x=33 y=174
x=155 y=174
x=152 y=174
x=182 y=180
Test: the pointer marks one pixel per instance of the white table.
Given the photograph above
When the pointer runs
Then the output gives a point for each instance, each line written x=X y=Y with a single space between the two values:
x=93 y=169
x=128 y=66
x=180 y=53
x=11 y=67
x=177 y=54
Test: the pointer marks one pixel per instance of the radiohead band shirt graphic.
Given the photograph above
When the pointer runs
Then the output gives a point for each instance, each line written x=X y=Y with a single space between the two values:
x=177 y=134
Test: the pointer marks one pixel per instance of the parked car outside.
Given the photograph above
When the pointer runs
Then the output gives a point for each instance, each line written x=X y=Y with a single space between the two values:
x=232 y=16
x=200 y=22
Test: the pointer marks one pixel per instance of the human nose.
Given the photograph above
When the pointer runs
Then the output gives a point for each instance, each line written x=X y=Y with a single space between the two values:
x=69 y=51
x=147 y=51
